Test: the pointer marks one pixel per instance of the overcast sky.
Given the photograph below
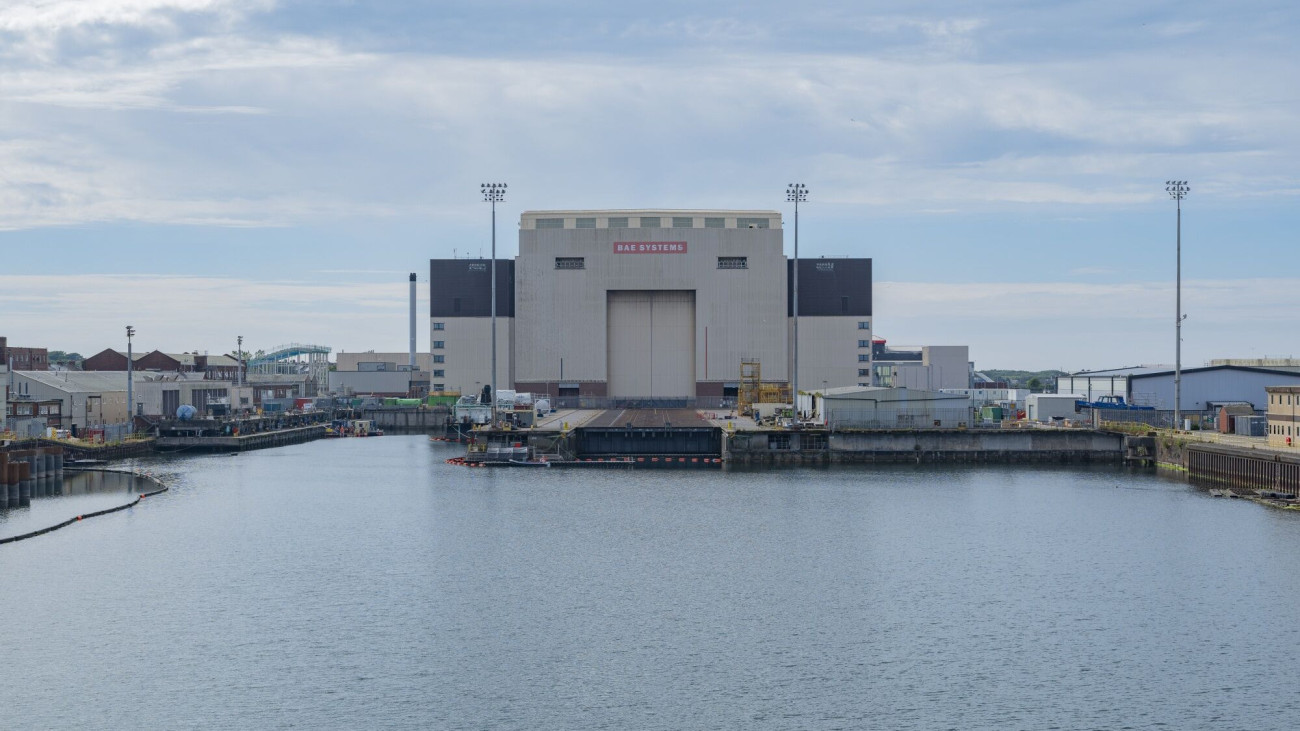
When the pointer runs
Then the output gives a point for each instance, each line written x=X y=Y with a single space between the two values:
x=202 y=169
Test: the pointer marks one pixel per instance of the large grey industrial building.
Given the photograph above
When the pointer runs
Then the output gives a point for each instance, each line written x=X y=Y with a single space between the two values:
x=648 y=305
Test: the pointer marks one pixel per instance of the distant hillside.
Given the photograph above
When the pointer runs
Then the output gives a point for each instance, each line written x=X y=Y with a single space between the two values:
x=1033 y=380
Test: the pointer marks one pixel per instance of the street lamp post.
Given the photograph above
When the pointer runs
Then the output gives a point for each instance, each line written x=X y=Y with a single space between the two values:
x=795 y=193
x=1178 y=190
x=239 y=364
x=492 y=193
x=130 y=392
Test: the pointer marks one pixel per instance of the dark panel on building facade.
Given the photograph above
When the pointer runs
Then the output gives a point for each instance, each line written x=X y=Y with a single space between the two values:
x=830 y=287
x=463 y=288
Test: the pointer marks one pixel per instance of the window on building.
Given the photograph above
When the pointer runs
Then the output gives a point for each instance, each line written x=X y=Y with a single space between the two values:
x=864 y=343
x=649 y=222
x=715 y=223
x=864 y=372
x=617 y=222
x=439 y=373
x=570 y=262
x=550 y=223
x=864 y=324
x=440 y=387
x=683 y=222
x=439 y=344
x=733 y=262
x=584 y=223
x=864 y=357
x=455 y=304
x=439 y=358
x=439 y=326
x=752 y=223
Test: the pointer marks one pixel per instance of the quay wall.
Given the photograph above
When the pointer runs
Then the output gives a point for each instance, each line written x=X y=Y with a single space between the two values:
x=1240 y=469
x=400 y=420
x=260 y=440
x=954 y=446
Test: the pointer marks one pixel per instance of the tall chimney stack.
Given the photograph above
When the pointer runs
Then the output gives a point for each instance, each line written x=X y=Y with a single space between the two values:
x=413 y=367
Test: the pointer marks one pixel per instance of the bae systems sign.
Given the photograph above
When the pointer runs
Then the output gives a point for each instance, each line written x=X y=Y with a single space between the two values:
x=650 y=247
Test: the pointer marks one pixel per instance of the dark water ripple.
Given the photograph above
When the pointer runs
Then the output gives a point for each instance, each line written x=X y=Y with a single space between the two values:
x=365 y=584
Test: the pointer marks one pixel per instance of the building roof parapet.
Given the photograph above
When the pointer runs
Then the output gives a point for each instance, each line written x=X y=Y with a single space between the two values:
x=732 y=218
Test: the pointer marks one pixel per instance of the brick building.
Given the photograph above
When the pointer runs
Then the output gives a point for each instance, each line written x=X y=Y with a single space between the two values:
x=214 y=367
x=24 y=359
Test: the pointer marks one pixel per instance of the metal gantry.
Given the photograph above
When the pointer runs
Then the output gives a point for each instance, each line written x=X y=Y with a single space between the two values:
x=1178 y=189
x=796 y=193
x=493 y=193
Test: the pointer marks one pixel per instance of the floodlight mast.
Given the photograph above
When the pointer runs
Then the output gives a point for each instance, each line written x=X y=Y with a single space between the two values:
x=796 y=193
x=492 y=193
x=130 y=378
x=1178 y=189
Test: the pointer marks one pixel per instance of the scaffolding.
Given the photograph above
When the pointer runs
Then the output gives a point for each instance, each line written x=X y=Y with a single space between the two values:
x=751 y=383
x=752 y=390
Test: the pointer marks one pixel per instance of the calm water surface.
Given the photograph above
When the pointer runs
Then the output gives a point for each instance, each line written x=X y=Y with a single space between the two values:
x=365 y=584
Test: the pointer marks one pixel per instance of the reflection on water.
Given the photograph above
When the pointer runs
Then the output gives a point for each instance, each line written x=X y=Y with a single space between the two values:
x=364 y=583
x=55 y=499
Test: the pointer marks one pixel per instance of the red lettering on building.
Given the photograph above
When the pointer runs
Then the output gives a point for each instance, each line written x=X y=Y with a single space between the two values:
x=650 y=247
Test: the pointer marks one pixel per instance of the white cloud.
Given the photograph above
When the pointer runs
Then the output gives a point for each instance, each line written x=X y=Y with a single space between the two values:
x=184 y=312
x=50 y=16
x=1076 y=325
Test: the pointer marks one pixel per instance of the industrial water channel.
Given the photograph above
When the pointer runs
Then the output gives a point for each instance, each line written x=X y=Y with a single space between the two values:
x=363 y=583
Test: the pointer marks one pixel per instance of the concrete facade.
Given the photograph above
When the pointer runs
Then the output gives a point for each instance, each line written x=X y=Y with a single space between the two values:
x=353 y=361
x=649 y=304
x=829 y=352
x=467 y=356
x=935 y=367
x=1284 y=416
x=370 y=383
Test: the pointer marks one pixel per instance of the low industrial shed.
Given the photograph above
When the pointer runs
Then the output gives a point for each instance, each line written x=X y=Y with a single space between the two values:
x=865 y=407
x=1205 y=389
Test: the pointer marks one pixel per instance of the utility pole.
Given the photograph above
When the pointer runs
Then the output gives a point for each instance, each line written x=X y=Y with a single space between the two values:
x=1178 y=190
x=130 y=383
x=239 y=363
x=796 y=192
x=493 y=192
